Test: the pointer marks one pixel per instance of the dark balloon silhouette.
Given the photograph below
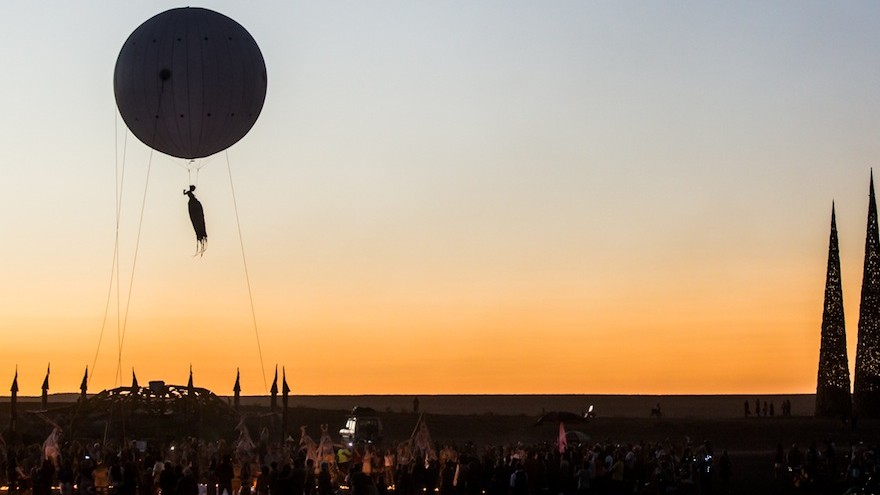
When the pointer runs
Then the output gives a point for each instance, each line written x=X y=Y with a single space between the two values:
x=190 y=82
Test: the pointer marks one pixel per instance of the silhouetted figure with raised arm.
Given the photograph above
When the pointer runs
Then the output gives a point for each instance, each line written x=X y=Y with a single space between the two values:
x=197 y=217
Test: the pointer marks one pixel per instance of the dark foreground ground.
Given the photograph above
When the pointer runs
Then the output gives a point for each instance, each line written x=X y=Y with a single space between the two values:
x=751 y=442
x=502 y=420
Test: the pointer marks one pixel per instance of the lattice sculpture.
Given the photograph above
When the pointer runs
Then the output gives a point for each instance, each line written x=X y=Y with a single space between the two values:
x=832 y=390
x=866 y=386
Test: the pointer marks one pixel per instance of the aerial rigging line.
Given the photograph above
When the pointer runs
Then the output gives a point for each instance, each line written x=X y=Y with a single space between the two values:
x=114 y=265
x=246 y=275
x=119 y=185
x=121 y=326
x=133 y=265
x=137 y=243
x=115 y=271
x=196 y=165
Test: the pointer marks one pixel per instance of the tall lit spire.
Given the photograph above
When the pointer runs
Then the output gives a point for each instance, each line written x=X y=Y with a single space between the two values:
x=832 y=388
x=866 y=386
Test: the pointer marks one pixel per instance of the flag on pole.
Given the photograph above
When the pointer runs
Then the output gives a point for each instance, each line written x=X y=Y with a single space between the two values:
x=562 y=441
x=51 y=447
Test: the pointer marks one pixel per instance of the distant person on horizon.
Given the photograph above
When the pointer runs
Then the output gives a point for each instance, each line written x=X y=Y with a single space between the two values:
x=746 y=411
x=772 y=411
x=757 y=408
x=656 y=412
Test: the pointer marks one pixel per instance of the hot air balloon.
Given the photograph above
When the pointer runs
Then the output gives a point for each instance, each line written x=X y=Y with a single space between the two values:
x=190 y=82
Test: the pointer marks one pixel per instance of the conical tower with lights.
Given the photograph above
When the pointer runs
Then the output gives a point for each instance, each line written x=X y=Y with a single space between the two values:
x=866 y=386
x=832 y=390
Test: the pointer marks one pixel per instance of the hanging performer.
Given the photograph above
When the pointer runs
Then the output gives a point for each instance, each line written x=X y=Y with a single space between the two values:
x=197 y=217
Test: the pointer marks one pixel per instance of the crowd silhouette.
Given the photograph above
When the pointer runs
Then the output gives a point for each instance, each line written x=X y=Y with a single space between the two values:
x=417 y=467
x=194 y=467
x=768 y=409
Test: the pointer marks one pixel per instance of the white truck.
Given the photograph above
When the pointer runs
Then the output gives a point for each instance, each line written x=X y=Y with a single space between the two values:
x=362 y=426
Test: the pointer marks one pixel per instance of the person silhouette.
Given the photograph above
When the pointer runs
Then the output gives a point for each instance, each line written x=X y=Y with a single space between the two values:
x=197 y=217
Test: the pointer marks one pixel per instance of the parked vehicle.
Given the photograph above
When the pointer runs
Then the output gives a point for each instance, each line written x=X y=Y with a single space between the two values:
x=362 y=425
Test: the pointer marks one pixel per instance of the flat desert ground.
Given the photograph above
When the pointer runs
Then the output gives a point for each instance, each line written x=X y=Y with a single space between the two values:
x=507 y=419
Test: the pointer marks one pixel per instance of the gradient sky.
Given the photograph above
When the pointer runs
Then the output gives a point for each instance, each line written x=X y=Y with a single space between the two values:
x=451 y=197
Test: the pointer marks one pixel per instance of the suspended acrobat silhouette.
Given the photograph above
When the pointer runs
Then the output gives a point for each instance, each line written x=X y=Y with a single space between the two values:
x=197 y=217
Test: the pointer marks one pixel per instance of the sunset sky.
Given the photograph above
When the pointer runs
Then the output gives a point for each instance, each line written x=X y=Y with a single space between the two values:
x=450 y=197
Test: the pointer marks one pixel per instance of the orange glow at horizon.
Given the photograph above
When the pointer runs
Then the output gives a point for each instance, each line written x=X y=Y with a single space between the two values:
x=499 y=338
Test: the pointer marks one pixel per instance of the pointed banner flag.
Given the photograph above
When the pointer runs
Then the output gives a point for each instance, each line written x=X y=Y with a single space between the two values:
x=46 y=380
x=52 y=447
x=422 y=442
x=245 y=448
x=284 y=391
x=44 y=400
x=273 y=400
x=13 y=401
x=236 y=389
x=308 y=445
x=326 y=451
x=85 y=383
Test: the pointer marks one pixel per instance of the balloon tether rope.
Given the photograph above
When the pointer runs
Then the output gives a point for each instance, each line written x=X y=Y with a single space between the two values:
x=133 y=265
x=137 y=240
x=246 y=274
x=114 y=265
